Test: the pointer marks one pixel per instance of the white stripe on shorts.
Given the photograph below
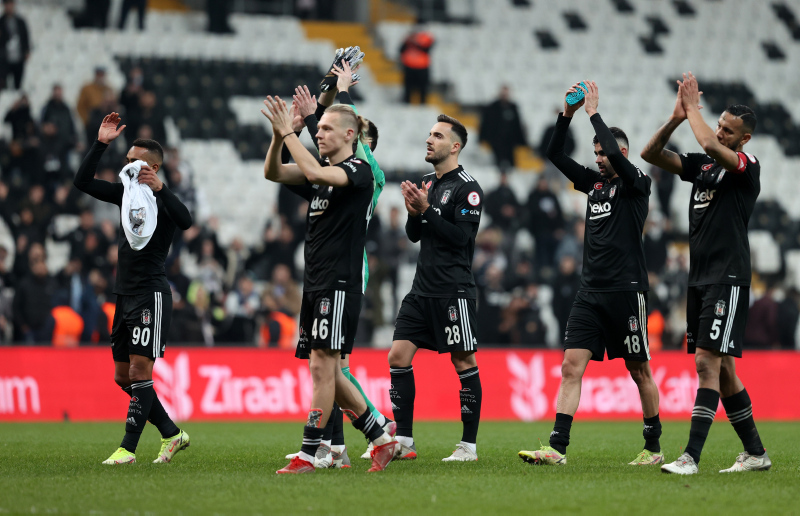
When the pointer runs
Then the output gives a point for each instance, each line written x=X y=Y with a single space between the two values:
x=733 y=301
x=643 y=322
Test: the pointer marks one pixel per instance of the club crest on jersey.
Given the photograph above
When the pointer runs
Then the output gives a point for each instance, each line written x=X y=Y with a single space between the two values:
x=473 y=198
x=146 y=317
x=613 y=192
x=633 y=324
x=446 y=197
x=325 y=306
x=719 y=308
x=598 y=186
x=452 y=313
x=707 y=167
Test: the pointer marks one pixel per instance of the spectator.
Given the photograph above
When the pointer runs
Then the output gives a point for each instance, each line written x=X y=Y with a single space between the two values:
x=32 y=303
x=522 y=324
x=545 y=223
x=94 y=14
x=146 y=115
x=492 y=301
x=656 y=239
x=565 y=287
x=241 y=306
x=218 y=11
x=15 y=45
x=180 y=179
x=569 y=142
x=665 y=183
x=127 y=5
x=75 y=291
x=501 y=127
x=107 y=104
x=59 y=127
x=503 y=207
x=788 y=315
x=236 y=255
x=572 y=244
x=283 y=292
x=278 y=249
x=762 y=330
x=93 y=95
x=41 y=211
x=393 y=251
x=20 y=119
x=415 y=55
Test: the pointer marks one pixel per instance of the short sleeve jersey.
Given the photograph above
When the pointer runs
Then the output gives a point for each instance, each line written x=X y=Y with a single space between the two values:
x=613 y=252
x=442 y=270
x=719 y=212
x=336 y=230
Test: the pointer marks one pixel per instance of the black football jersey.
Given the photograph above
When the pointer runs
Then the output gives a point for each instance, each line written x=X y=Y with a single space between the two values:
x=143 y=271
x=336 y=230
x=616 y=210
x=719 y=212
x=444 y=270
x=613 y=252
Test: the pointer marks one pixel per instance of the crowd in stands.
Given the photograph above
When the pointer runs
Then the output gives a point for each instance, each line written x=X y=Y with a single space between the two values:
x=251 y=296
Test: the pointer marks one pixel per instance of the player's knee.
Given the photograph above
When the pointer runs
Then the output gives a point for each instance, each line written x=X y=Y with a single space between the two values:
x=398 y=358
x=571 y=370
x=123 y=381
x=139 y=374
x=462 y=363
x=639 y=372
x=705 y=367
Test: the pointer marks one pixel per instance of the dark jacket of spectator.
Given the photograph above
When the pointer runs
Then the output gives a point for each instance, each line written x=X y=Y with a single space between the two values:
x=501 y=127
x=32 y=304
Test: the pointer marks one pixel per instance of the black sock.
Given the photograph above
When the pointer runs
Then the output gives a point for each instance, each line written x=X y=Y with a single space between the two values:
x=161 y=420
x=337 y=438
x=705 y=407
x=740 y=414
x=312 y=433
x=470 y=394
x=368 y=425
x=402 y=393
x=142 y=395
x=158 y=417
x=559 y=437
x=327 y=432
x=651 y=433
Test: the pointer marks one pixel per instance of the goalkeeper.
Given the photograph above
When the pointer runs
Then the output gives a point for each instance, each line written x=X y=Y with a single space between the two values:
x=307 y=111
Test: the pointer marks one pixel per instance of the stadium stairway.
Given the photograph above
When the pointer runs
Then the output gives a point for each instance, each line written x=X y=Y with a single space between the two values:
x=349 y=34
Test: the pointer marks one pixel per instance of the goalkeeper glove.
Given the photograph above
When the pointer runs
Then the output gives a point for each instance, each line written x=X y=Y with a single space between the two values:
x=353 y=55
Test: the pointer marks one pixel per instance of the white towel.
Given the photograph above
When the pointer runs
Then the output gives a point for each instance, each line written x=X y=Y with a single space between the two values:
x=139 y=212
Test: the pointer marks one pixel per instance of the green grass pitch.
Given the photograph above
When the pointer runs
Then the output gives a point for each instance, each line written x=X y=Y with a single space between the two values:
x=230 y=469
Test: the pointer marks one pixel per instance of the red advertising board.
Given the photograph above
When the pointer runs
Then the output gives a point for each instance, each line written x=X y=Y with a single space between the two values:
x=200 y=384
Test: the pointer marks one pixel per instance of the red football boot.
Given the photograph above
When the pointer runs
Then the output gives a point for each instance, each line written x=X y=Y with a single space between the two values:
x=297 y=465
x=382 y=455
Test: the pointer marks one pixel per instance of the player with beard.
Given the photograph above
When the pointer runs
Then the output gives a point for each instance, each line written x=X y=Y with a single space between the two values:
x=726 y=182
x=610 y=310
x=444 y=211
x=340 y=204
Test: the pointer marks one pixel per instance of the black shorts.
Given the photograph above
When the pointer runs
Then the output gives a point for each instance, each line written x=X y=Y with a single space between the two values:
x=437 y=323
x=141 y=324
x=716 y=316
x=328 y=320
x=614 y=322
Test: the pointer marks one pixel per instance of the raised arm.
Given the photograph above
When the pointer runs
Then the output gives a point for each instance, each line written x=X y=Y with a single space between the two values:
x=274 y=169
x=307 y=168
x=84 y=179
x=704 y=134
x=655 y=153
x=578 y=174
x=309 y=110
